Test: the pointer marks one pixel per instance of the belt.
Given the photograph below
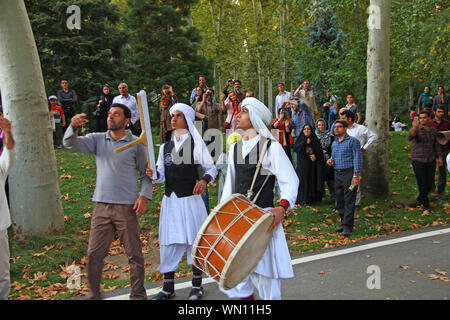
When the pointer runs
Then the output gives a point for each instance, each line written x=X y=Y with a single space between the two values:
x=343 y=170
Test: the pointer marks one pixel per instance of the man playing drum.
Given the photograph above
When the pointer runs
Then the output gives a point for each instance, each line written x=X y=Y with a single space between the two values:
x=242 y=160
x=182 y=209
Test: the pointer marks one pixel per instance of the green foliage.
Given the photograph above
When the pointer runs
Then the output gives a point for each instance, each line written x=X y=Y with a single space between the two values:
x=164 y=47
x=323 y=50
x=88 y=57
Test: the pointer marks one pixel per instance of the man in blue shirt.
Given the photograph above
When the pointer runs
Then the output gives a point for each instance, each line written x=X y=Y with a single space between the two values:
x=201 y=84
x=346 y=160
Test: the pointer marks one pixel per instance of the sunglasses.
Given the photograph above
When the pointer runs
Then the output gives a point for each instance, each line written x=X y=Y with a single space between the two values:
x=423 y=117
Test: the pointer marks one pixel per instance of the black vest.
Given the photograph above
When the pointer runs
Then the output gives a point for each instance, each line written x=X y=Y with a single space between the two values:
x=246 y=171
x=181 y=172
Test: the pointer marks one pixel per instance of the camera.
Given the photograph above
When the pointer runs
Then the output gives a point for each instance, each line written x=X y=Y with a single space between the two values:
x=208 y=95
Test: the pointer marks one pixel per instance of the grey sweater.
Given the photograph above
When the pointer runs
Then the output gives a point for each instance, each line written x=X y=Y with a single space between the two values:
x=116 y=173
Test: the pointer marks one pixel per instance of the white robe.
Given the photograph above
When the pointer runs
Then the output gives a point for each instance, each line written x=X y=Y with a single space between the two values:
x=276 y=261
x=181 y=218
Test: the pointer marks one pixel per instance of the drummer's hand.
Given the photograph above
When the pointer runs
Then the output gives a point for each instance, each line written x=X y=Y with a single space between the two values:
x=200 y=187
x=278 y=213
x=140 y=206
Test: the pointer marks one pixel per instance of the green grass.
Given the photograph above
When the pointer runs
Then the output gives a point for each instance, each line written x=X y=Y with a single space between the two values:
x=307 y=228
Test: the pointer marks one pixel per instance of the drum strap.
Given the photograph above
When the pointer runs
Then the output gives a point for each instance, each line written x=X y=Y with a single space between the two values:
x=258 y=167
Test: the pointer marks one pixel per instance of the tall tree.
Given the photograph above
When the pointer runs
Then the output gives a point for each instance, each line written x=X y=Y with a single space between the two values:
x=376 y=161
x=87 y=57
x=165 y=48
x=34 y=193
x=323 y=48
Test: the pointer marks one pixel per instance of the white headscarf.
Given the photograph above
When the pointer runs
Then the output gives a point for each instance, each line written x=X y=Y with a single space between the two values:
x=260 y=116
x=199 y=144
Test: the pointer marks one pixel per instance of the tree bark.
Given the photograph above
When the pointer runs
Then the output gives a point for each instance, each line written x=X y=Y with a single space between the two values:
x=34 y=192
x=375 y=173
x=282 y=40
x=258 y=53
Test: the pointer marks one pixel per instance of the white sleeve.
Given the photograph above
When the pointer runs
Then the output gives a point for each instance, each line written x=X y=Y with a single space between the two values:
x=7 y=160
x=208 y=165
x=371 y=138
x=448 y=162
x=160 y=165
x=228 y=189
x=277 y=162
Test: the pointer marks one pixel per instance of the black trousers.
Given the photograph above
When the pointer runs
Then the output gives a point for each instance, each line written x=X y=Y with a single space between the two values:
x=442 y=180
x=345 y=199
x=424 y=172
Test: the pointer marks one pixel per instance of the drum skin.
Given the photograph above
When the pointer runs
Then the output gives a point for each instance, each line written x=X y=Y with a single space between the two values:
x=232 y=240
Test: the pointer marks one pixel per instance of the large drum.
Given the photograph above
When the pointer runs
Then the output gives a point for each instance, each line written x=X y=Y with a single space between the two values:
x=232 y=240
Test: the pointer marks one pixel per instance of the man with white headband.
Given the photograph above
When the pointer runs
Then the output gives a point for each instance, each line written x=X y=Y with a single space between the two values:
x=182 y=209
x=243 y=156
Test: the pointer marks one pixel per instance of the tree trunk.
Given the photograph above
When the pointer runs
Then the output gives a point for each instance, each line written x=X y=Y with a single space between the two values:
x=282 y=40
x=217 y=32
x=376 y=160
x=258 y=53
x=411 y=95
x=34 y=193
x=270 y=95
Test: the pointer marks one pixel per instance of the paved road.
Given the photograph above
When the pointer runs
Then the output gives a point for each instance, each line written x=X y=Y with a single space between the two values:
x=403 y=262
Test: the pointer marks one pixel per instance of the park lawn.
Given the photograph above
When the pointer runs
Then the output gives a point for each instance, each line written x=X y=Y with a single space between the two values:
x=39 y=265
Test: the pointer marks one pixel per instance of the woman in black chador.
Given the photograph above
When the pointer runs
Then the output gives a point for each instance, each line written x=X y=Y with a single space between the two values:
x=310 y=168
x=101 y=109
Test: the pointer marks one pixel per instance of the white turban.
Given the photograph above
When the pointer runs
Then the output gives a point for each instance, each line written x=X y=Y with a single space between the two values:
x=260 y=116
x=199 y=144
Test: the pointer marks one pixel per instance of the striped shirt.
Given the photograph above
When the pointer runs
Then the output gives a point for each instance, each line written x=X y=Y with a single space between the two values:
x=347 y=154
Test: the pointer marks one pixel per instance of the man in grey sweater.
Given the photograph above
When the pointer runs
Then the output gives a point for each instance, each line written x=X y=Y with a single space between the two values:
x=117 y=202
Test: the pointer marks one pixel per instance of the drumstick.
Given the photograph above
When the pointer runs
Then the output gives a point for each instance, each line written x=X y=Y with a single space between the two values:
x=146 y=136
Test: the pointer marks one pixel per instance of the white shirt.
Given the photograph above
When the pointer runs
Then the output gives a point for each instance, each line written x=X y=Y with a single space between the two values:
x=448 y=162
x=274 y=161
x=210 y=169
x=7 y=160
x=281 y=98
x=131 y=103
x=365 y=136
x=398 y=126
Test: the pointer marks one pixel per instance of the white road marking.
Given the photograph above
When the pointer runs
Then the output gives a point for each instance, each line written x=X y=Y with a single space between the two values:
x=336 y=253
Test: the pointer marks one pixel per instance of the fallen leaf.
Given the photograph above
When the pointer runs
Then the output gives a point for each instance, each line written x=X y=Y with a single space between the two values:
x=433 y=276
x=40 y=254
x=441 y=272
x=48 y=248
x=88 y=215
x=404 y=267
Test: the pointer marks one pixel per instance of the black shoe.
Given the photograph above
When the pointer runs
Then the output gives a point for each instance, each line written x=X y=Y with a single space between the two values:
x=426 y=207
x=346 y=233
x=196 y=293
x=357 y=207
x=339 y=229
x=164 y=296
